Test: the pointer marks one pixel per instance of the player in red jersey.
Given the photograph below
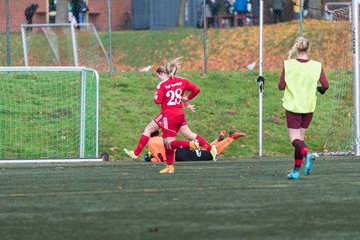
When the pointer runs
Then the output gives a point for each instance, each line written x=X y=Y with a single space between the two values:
x=153 y=126
x=170 y=94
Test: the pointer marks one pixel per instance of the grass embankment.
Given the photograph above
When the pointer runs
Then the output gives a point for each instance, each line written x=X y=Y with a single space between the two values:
x=233 y=48
x=227 y=48
x=228 y=100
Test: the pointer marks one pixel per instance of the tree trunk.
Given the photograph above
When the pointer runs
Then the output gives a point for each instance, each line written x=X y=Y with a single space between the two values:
x=181 y=18
x=62 y=11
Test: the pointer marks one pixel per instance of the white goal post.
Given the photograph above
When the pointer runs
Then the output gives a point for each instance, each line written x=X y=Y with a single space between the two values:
x=356 y=75
x=49 y=114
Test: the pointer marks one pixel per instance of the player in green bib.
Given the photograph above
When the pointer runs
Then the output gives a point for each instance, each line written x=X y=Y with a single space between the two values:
x=299 y=80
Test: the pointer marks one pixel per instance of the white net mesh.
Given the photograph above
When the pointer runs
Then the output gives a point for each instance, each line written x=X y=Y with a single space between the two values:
x=339 y=138
x=41 y=114
x=60 y=45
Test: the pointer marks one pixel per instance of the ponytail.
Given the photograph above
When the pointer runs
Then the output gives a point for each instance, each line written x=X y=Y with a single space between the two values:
x=172 y=66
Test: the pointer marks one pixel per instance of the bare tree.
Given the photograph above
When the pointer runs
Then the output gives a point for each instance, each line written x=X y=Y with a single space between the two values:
x=62 y=11
x=181 y=18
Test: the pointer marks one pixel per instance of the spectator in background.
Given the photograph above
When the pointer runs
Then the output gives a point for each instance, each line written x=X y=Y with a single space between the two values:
x=224 y=6
x=210 y=5
x=231 y=6
x=255 y=11
x=215 y=8
x=296 y=8
x=201 y=14
x=306 y=8
x=29 y=14
x=240 y=7
x=276 y=9
x=71 y=14
x=83 y=10
x=77 y=10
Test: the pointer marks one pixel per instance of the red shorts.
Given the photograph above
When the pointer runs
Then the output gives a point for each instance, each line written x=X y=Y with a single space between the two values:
x=170 y=125
x=298 y=120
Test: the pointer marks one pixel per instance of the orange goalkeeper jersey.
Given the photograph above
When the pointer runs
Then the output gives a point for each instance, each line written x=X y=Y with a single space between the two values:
x=157 y=149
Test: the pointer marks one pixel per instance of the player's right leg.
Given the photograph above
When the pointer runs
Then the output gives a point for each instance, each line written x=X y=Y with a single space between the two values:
x=198 y=140
x=194 y=144
x=294 y=175
x=170 y=155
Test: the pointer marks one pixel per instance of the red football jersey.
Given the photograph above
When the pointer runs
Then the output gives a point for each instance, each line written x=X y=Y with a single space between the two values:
x=170 y=92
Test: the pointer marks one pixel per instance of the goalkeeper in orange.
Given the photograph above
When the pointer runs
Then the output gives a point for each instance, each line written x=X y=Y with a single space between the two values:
x=157 y=149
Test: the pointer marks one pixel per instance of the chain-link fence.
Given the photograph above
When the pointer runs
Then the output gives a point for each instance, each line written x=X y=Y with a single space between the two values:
x=53 y=33
x=229 y=39
x=210 y=35
x=146 y=32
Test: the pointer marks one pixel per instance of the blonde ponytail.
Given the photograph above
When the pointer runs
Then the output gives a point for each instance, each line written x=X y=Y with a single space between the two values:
x=173 y=66
x=301 y=45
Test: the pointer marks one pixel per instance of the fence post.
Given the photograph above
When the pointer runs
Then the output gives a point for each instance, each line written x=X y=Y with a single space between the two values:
x=110 y=38
x=205 y=29
x=8 y=55
x=261 y=79
x=301 y=18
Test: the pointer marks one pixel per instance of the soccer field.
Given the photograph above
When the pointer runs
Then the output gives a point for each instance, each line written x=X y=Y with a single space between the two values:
x=228 y=199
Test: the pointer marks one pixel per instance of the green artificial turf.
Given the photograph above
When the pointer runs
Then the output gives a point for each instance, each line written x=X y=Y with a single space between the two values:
x=230 y=199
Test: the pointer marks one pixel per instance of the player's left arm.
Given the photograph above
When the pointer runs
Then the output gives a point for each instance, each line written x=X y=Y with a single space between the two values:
x=194 y=91
x=189 y=106
x=323 y=81
x=282 y=83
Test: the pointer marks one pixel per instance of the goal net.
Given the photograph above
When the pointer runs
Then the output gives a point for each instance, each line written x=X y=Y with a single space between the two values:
x=49 y=113
x=63 y=45
x=340 y=135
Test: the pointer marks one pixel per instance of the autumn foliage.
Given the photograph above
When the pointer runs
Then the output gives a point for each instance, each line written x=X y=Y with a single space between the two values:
x=234 y=48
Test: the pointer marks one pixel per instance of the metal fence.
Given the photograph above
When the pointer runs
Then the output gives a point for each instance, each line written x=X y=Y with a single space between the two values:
x=210 y=35
x=229 y=39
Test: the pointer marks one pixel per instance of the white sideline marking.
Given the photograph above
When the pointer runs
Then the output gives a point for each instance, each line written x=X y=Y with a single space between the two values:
x=65 y=160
